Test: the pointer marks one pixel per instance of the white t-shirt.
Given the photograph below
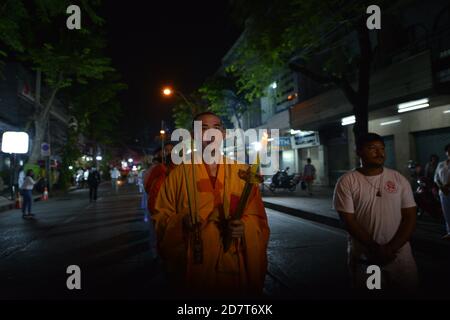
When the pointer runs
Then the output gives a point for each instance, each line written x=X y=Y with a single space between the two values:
x=115 y=174
x=21 y=179
x=28 y=183
x=380 y=216
x=442 y=174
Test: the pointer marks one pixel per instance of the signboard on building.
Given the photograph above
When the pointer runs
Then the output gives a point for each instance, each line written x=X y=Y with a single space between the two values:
x=305 y=139
x=284 y=143
x=45 y=149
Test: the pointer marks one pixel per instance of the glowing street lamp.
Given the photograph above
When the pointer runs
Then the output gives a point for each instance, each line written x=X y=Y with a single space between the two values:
x=130 y=160
x=14 y=143
x=167 y=91
x=99 y=158
x=162 y=132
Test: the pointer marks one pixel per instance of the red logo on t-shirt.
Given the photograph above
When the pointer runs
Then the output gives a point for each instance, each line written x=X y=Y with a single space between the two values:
x=390 y=187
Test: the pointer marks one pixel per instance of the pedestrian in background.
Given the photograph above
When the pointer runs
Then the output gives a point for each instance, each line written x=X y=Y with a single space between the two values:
x=21 y=179
x=431 y=166
x=93 y=182
x=85 y=177
x=27 y=189
x=309 y=174
x=115 y=174
x=442 y=179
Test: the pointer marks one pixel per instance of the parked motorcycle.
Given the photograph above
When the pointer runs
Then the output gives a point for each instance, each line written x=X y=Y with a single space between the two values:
x=427 y=198
x=282 y=180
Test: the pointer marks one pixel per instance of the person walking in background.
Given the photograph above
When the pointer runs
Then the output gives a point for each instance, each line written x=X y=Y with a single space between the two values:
x=140 y=180
x=27 y=189
x=442 y=179
x=309 y=174
x=85 y=177
x=21 y=179
x=115 y=174
x=430 y=167
x=93 y=182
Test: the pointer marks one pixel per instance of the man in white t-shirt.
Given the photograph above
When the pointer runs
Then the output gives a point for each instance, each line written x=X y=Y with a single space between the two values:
x=442 y=179
x=378 y=209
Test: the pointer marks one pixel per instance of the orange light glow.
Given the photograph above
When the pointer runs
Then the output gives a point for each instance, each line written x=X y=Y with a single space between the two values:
x=167 y=91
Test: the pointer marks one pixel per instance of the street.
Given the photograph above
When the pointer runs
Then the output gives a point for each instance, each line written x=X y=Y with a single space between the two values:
x=109 y=241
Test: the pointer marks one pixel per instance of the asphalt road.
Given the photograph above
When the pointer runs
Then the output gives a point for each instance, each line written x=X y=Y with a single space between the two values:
x=109 y=241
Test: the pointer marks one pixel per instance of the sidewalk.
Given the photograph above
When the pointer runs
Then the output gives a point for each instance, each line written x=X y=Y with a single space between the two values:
x=6 y=204
x=318 y=208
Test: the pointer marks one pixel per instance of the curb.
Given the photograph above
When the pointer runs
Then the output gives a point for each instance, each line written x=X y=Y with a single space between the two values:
x=12 y=205
x=423 y=244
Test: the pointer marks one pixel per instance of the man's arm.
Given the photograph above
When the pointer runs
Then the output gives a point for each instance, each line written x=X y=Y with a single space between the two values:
x=405 y=230
x=376 y=253
x=437 y=180
x=356 y=230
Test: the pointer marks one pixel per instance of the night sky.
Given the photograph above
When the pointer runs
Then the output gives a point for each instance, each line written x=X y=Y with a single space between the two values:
x=179 y=43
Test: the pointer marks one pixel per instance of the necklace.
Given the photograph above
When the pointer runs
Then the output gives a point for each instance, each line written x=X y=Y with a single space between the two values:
x=378 y=194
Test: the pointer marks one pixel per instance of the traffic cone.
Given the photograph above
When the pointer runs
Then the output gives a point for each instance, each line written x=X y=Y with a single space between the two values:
x=45 y=195
x=18 y=201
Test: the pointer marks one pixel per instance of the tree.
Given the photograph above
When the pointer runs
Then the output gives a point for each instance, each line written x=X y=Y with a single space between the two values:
x=184 y=111
x=223 y=97
x=12 y=15
x=96 y=108
x=326 y=41
x=63 y=57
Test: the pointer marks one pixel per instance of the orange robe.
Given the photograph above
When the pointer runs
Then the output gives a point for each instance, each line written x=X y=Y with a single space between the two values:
x=153 y=183
x=240 y=271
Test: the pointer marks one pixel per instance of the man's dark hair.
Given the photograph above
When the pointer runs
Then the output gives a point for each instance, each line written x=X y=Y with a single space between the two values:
x=364 y=139
x=308 y=160
x=447 y=147
x=434 y=156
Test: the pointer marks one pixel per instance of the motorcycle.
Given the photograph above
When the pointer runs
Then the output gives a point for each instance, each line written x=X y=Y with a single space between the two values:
x=427 y=198
x=282 y=180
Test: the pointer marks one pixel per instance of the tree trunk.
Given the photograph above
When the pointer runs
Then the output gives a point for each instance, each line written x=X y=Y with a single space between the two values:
x=39 y=132
x=361 y=105
x=40 y=124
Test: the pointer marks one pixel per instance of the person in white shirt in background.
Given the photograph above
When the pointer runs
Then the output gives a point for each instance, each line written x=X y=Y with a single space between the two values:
x=115 y=174
x=442 y=179
x=27 y=189
x=378 y=209
x=85 y=177
x=21 y=179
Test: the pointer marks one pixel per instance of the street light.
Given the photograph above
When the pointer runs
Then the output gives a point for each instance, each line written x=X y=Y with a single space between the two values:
x=168 y=92
x=130 y=160
x=99 y=158
x=14 y=143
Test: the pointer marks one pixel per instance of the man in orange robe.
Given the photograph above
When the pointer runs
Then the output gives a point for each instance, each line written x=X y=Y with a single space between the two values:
x=241 y=270
x=156 y=176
